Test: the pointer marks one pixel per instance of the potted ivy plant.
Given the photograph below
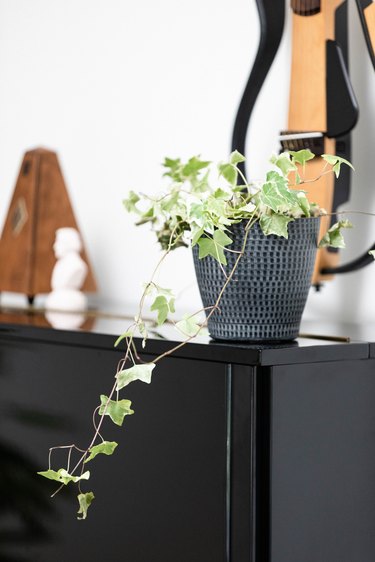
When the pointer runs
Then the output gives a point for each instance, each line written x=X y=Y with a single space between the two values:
x=253 y=245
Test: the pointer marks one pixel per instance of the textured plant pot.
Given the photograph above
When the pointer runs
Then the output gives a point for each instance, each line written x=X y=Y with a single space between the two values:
x=267 y=295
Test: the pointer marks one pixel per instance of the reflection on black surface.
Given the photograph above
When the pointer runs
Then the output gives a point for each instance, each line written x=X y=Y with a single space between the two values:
x=25 y=506
x=39 y=317
x=162 y=498
x=280 y=344
x=23 y=503
x=38 y=418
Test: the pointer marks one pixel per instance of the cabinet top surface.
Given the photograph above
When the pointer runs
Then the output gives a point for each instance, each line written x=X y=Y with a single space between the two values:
x=317 y=342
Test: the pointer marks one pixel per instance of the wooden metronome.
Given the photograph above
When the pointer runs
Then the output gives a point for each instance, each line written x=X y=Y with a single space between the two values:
x=39 y=206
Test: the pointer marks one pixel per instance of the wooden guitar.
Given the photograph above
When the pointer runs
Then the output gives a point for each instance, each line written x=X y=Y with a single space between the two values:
x=322 y=105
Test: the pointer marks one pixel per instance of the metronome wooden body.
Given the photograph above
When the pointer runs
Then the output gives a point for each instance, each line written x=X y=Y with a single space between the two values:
x=39 y=206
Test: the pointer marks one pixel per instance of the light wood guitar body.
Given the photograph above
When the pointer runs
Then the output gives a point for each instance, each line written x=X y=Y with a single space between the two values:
x=369 y=13
x=308 y=104
x=322 y=100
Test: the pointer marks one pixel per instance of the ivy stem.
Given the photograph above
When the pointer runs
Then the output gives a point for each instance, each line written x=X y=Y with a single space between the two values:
x=98 y=427
x=349 y=212
x=120 y=366
x=131 y=353
x=312 y=180
x=214 y=307
x=151 y=282
x=242 y=176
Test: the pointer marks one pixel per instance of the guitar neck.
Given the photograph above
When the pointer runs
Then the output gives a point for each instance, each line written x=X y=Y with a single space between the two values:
x=321 y=191
x=308 y=93
x=369 y=16
x=313 y=24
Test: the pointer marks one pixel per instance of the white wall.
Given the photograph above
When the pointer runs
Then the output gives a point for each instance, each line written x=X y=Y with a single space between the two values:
x=115 y=86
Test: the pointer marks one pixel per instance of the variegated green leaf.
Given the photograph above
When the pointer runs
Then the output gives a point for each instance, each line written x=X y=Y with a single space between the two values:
x=105 y=448
x=116 y=409
x=84 y=501
x=137 y=372
x=63 y=476
x=275 y=224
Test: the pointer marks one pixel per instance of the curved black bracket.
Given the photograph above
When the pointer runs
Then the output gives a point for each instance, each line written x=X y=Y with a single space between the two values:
x=362 y=5
x=271 y=16
x=354 y=265
x=349 y=109
x=342 y=106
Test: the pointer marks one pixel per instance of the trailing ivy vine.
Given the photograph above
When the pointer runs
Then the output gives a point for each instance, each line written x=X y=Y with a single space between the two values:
x=193 y=212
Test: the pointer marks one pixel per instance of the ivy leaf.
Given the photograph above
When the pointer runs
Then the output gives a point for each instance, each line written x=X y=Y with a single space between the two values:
x=137 y=372
x=196 y=236
x=196 y=213
x=207 y=247
x=333 y=237
x=173 y=166
x=143 y=331
x=301 y=156
x=127 y=334
x=149 y=215
x=335 y=162
x=116 y=409
x=221 y=194
x=214 y=246
x=193 y=166
x=283 y=162
x=275 y=193
x=221 y=238
x=229 y=172
x=216 y=207
x=163 y=291
x=275 y=224
x=163 y=307
x=281 y=184
x=84 y=501
x=63 y=476
x=199 y=184
x=106 y=448
x=236 y=157
x=131 y=201
x=248 y=208
x=372 y=253
x=169 y=202
x=188 y=325
x=171 y=163
x=304 y=203
x=171 y=305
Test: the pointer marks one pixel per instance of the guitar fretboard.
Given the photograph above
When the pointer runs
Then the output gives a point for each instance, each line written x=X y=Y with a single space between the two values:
x=305 y=7
x=297 y=140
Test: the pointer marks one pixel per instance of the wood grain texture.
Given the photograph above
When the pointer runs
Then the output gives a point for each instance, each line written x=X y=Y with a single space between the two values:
x=26 y=248
x=370 y=21
x=16 y=245
x=321 y=192
x=308 y=105
x=307 y=99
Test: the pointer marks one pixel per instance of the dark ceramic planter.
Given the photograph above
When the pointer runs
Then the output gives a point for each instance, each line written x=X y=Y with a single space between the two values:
x=265 y=300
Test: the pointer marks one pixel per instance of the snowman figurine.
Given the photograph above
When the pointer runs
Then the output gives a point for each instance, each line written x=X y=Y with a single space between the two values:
x=68 y=275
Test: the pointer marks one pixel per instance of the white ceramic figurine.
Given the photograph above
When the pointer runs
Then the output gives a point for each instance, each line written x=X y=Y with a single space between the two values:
x=67 y=278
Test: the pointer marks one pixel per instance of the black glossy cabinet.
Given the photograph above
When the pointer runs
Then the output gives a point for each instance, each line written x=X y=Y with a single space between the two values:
x=235 y=453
